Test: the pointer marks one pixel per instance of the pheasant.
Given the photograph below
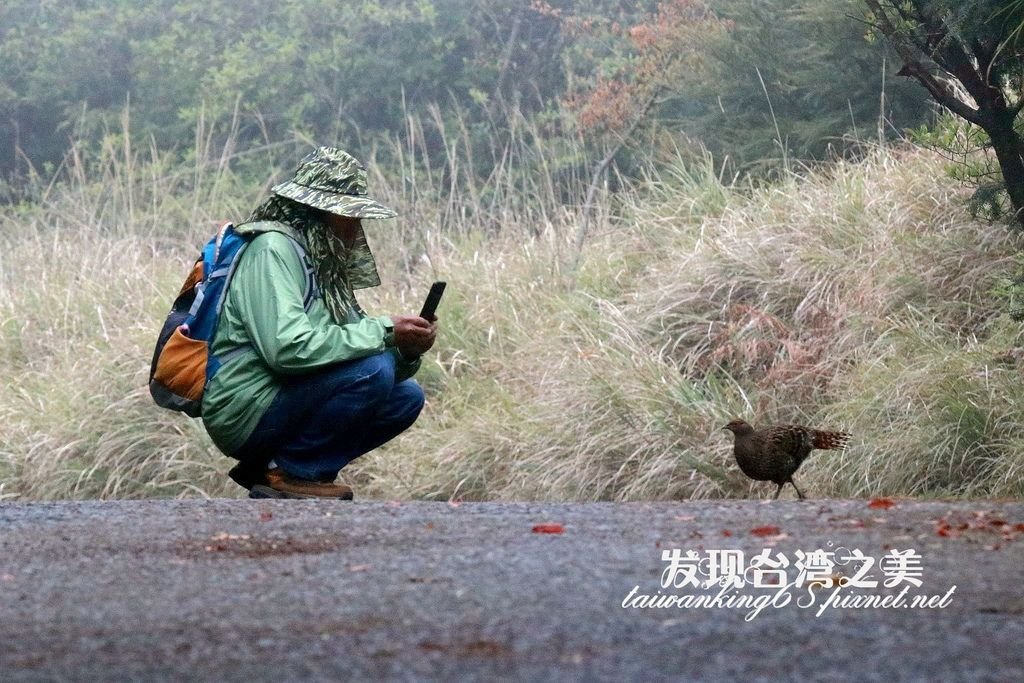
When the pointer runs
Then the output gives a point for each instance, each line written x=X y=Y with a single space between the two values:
x=775 y=453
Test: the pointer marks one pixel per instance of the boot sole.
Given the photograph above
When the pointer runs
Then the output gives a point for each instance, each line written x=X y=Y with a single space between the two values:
x=261 y=491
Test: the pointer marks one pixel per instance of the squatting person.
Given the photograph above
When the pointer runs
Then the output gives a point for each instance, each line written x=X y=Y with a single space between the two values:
x=310 y=382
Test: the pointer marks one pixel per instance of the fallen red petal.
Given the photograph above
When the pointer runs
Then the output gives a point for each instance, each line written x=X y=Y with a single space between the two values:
x=881 y=503
x=266 y=516
x=765 y=531
x=548 y=528
x=726 y=532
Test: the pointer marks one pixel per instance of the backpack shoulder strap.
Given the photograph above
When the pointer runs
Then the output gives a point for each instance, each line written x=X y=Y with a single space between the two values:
x=310 y=293
x=307 y=299
x=230 y=271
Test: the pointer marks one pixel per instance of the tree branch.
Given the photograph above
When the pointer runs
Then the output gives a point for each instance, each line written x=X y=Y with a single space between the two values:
x=602 y=166
x=958 y=62
x=923 y=43
x=942 y=94
x=912 y=66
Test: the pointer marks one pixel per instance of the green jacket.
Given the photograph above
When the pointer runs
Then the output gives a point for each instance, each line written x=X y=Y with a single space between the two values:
x=263 y=313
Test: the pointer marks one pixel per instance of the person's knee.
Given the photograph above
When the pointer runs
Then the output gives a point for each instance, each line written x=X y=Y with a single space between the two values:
x=409 y=397
x=376 y=378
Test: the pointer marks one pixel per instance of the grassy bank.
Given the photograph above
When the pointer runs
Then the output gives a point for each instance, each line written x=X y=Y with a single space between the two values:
x=860 y=296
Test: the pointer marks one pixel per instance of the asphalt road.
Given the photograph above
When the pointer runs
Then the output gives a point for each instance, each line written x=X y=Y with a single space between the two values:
x=239 y=590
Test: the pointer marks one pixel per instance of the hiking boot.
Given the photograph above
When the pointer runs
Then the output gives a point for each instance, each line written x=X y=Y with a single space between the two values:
x=248 y=474
x=278 y=484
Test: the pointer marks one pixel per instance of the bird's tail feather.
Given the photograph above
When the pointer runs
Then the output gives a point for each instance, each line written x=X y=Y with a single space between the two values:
x=830 y=441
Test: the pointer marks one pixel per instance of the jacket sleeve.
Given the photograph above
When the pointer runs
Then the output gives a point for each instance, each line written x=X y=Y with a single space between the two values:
x=267 y=290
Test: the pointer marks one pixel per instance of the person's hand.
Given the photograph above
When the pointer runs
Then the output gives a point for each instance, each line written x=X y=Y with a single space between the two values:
x=413 y=335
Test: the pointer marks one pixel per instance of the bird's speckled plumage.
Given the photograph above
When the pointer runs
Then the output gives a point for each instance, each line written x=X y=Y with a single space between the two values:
x=776 y=452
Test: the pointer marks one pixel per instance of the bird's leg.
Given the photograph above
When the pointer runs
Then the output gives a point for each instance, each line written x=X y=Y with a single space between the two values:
x=778 y=491
x=799 y=495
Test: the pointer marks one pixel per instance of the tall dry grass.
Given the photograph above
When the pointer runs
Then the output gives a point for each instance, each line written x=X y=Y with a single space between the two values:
x=858 y=296
x=861 y=296
x=86 y=265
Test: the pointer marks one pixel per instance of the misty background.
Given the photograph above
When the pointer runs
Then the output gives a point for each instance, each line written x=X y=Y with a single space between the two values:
x=752 y=83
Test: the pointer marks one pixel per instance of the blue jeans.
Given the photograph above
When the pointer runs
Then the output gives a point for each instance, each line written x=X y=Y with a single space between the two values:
x=321 y=421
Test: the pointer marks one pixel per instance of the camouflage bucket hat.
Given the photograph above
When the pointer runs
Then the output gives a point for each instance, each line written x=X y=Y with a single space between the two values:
x=333 y=181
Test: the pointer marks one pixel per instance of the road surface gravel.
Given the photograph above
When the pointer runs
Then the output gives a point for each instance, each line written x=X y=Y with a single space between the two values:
x=244 y=590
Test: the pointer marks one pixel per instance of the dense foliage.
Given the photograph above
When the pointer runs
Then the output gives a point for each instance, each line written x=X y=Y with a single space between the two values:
x=751 y=80
x=970 y=59
x=754 y=82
